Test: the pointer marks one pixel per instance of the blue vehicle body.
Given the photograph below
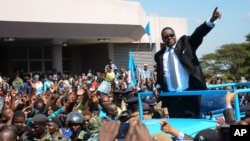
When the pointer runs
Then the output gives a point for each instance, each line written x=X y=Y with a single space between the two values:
x=187 y=126
x=212 y=102
x=212 y=106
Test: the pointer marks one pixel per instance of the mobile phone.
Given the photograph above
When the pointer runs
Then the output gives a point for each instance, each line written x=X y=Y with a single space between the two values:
x=1 y=104
x=122 y=131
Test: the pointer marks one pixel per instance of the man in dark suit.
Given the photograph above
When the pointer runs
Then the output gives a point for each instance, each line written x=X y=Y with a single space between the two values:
x=178 y=67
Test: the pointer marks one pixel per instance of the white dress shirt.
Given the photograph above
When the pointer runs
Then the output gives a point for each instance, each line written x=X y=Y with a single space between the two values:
x=181 y=73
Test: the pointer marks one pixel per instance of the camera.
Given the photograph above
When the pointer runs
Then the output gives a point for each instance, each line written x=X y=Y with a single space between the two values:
x=122 y=131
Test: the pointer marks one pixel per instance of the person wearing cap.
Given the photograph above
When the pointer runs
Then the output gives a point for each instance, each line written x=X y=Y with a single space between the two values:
x=146 y=73
x=133 y=107
x=39 y=131
x=95 y=125
x=119 y=102
x=53 y=125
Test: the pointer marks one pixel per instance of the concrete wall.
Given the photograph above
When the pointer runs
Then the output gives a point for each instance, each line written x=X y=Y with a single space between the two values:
x=76 y=11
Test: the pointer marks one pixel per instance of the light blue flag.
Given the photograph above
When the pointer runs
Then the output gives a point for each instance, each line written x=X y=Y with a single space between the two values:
x=105 y=87
x=132 y=67
x=147 y=30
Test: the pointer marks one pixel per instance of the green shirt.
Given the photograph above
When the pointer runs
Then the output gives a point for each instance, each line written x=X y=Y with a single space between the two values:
x=27 y=136
x=18 y=82
x=82 y=136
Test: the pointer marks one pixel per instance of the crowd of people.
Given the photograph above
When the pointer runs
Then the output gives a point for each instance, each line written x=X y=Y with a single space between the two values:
x=58 y=106
x=67 y=107
x=94 y=105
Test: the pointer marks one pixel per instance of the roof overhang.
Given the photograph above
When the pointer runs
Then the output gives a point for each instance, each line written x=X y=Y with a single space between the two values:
x=74 y=33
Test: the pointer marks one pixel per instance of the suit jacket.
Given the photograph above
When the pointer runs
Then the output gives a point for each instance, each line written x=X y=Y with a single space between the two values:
x=228 y=113
x=185 y=50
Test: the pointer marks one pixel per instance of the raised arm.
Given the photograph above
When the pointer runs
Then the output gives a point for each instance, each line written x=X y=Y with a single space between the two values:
x=216 y=14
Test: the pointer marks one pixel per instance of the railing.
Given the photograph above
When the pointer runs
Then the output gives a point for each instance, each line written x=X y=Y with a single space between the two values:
x=234 y=88
x=202 y=93
x=234 y=85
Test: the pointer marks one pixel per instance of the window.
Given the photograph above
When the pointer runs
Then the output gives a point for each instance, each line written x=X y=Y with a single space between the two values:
x=48 y=66
x=20 y=53
x=66 y=54
x=35 y=66
x=18 y=65
x=38 y=58
x=47 y=52
x=35 y=52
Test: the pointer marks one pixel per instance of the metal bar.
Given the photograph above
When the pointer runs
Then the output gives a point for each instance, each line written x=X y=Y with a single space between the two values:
x=236 y=106
x=186 y=93
x=140 y=106
x=228 y=84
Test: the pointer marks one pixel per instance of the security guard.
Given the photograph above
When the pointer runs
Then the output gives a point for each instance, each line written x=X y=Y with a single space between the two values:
x=39 y=131
x=134 y=109
x=75 y=121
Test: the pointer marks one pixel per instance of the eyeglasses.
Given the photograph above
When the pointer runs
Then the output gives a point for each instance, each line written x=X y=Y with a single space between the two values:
x=169 y=36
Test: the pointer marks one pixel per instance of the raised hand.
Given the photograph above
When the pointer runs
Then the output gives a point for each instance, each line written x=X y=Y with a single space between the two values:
x=167 y=128
x=109 y=131
x=216 y=15
x=137 y=132
x=230 y=97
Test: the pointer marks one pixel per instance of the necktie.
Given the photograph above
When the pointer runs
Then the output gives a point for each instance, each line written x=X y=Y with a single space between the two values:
x=172 y=70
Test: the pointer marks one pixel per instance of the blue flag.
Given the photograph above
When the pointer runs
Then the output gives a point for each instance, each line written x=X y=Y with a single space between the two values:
x=132 y=67
x=147 y=30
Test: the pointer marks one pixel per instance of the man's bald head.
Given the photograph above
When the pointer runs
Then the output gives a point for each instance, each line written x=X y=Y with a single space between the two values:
x=8 y=135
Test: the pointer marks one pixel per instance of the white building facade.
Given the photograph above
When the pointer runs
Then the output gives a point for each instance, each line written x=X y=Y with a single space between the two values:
x=76 y=35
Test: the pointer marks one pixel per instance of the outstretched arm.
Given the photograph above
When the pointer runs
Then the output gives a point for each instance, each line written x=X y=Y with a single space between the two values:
x=216 y=14
x=201 y=31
